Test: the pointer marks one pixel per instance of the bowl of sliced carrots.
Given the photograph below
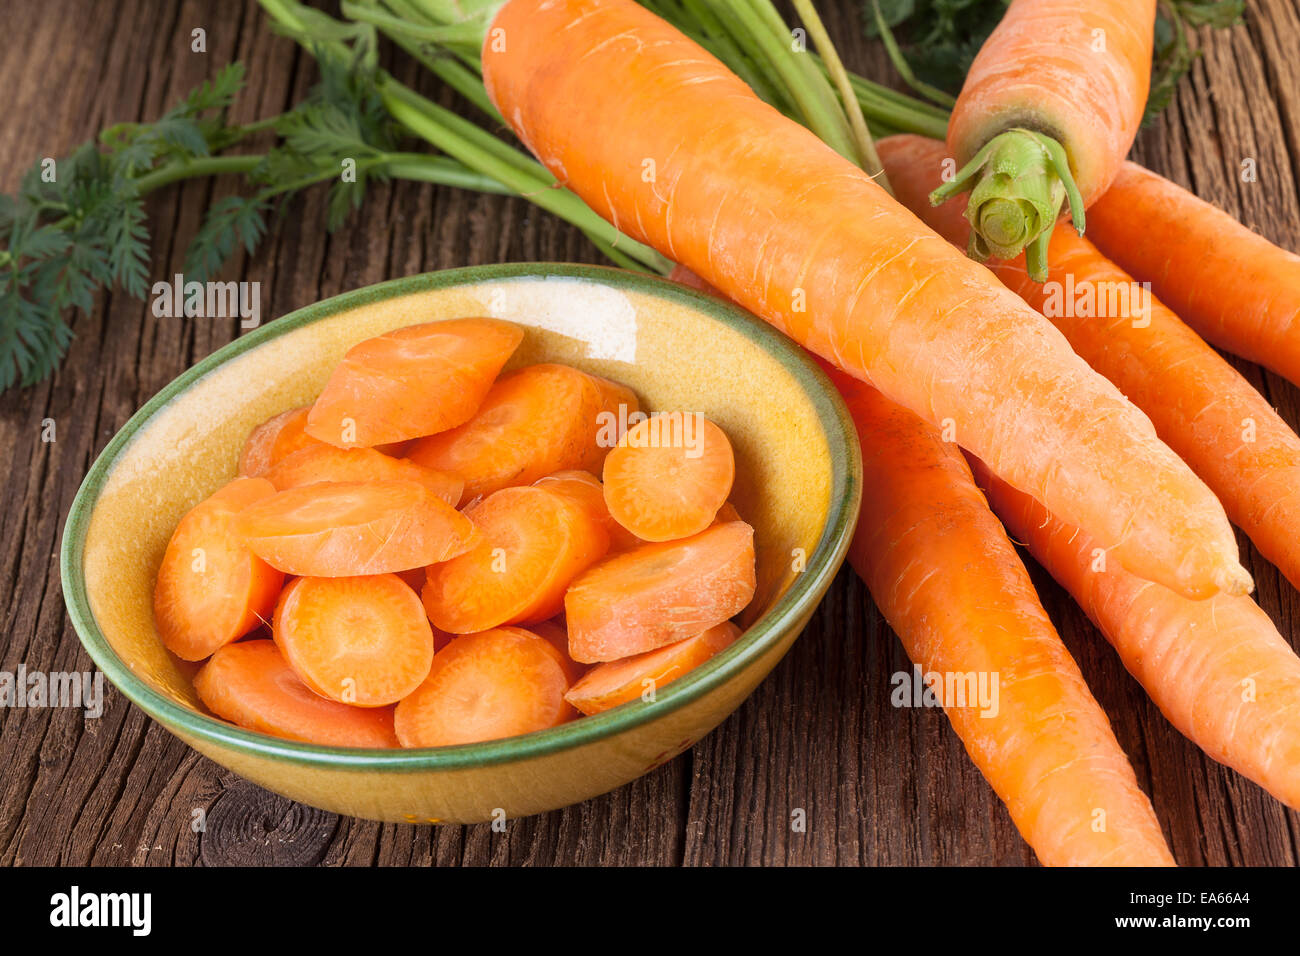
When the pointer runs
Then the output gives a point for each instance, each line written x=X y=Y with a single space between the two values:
x=481 y=542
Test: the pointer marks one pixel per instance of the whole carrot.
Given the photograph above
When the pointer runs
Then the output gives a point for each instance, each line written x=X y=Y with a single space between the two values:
x=1217 y=669
x=1200 y=405
x=662 y=140
x=1049 y=109
x=1230 y=284
x=951 y=585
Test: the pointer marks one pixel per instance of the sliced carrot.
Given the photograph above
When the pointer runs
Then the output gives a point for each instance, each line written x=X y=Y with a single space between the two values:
x=727 y=513
x=534 y=422
x=558 y=636
x=412 y=382
x=339 y=529
x=322 y=462
x=273 y=440
x=360 y=640
x=534 y=543
x=660 y=593
x=669 y=476
x=618 y=682
x=586 y=489
x=211 y=588
x=499 y=683
x=251 y=685
x=620 y=408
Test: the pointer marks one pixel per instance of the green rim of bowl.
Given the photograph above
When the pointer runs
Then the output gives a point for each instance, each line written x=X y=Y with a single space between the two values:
x=822 y=564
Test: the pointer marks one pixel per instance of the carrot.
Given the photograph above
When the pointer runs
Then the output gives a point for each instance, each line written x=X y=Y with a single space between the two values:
x=1049 y=109
x=803 y=238
x=586 y=489
x=211 y=588
x=250 y=685
x=362 y=640
x=534 y=542
x=536 y=421
x=340 y=529
x=274 y=440
x=322 y=462
x=499 y=683
x=412 y=382
x=555 y=633
x=669 y=476
x=619 y=682
x=1228 y=283
x=1200 y=405
x=660 y=593
x=1217 y=669
x=952 y=587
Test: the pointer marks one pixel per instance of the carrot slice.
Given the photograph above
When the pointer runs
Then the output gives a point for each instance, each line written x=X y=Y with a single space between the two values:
x=211 y=588
x=273 y=440
x=586 y=489
x=660 y=593
x=412 y=382
x=500 y=683
x=554 y=632
x=727 y=513
x=536 y=421
x=669 y=476
x=534 y=543
x=251 y=685
x=338 y=529
x=322 y=462
x=618 y=682
x=362 y=640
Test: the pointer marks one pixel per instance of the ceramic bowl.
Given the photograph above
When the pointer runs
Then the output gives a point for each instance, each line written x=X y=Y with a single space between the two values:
x=798 y=482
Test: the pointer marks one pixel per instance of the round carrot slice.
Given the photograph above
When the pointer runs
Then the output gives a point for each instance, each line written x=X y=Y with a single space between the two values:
x=362 y=640
x=500 y=683
x=586 y=489
x=534 y=543
x=211 y=588
x=536 y=421
x=669 y=476
x=340 y=529
x=251 y=685
x=323 y=462
x=618 y=682
x=412 y=382
x=660 y=593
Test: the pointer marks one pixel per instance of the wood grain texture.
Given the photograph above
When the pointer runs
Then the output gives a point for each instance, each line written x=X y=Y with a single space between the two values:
x=818 y=740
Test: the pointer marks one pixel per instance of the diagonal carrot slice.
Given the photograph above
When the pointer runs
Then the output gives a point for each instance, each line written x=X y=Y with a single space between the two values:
x=339 y=529
x=211 y=588
x=412 y=382
x=660 y=593
x=322 y=462
x=273 y=440
x=618 y=682
x=498 y=683
x=534 y=543
x=360 y=640
x=534 y=422
x=251 y=685
x=586 y=489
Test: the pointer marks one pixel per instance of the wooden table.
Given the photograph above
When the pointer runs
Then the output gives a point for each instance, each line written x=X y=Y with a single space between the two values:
x=878 y=785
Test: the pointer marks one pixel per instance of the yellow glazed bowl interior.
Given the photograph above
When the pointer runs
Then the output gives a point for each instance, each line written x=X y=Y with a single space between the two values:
x=798 y=482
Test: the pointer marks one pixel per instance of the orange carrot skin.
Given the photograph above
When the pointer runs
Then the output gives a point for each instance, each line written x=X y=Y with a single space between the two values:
x=1045 y=68
x=321 y=462
x=765 y=212
x=951 y=585
x=1217 y=669
x=1230 y=284
x=1200 y=405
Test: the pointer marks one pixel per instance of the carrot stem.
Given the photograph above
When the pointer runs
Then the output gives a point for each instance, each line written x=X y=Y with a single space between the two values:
x=903 y=67
x=867 y=157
